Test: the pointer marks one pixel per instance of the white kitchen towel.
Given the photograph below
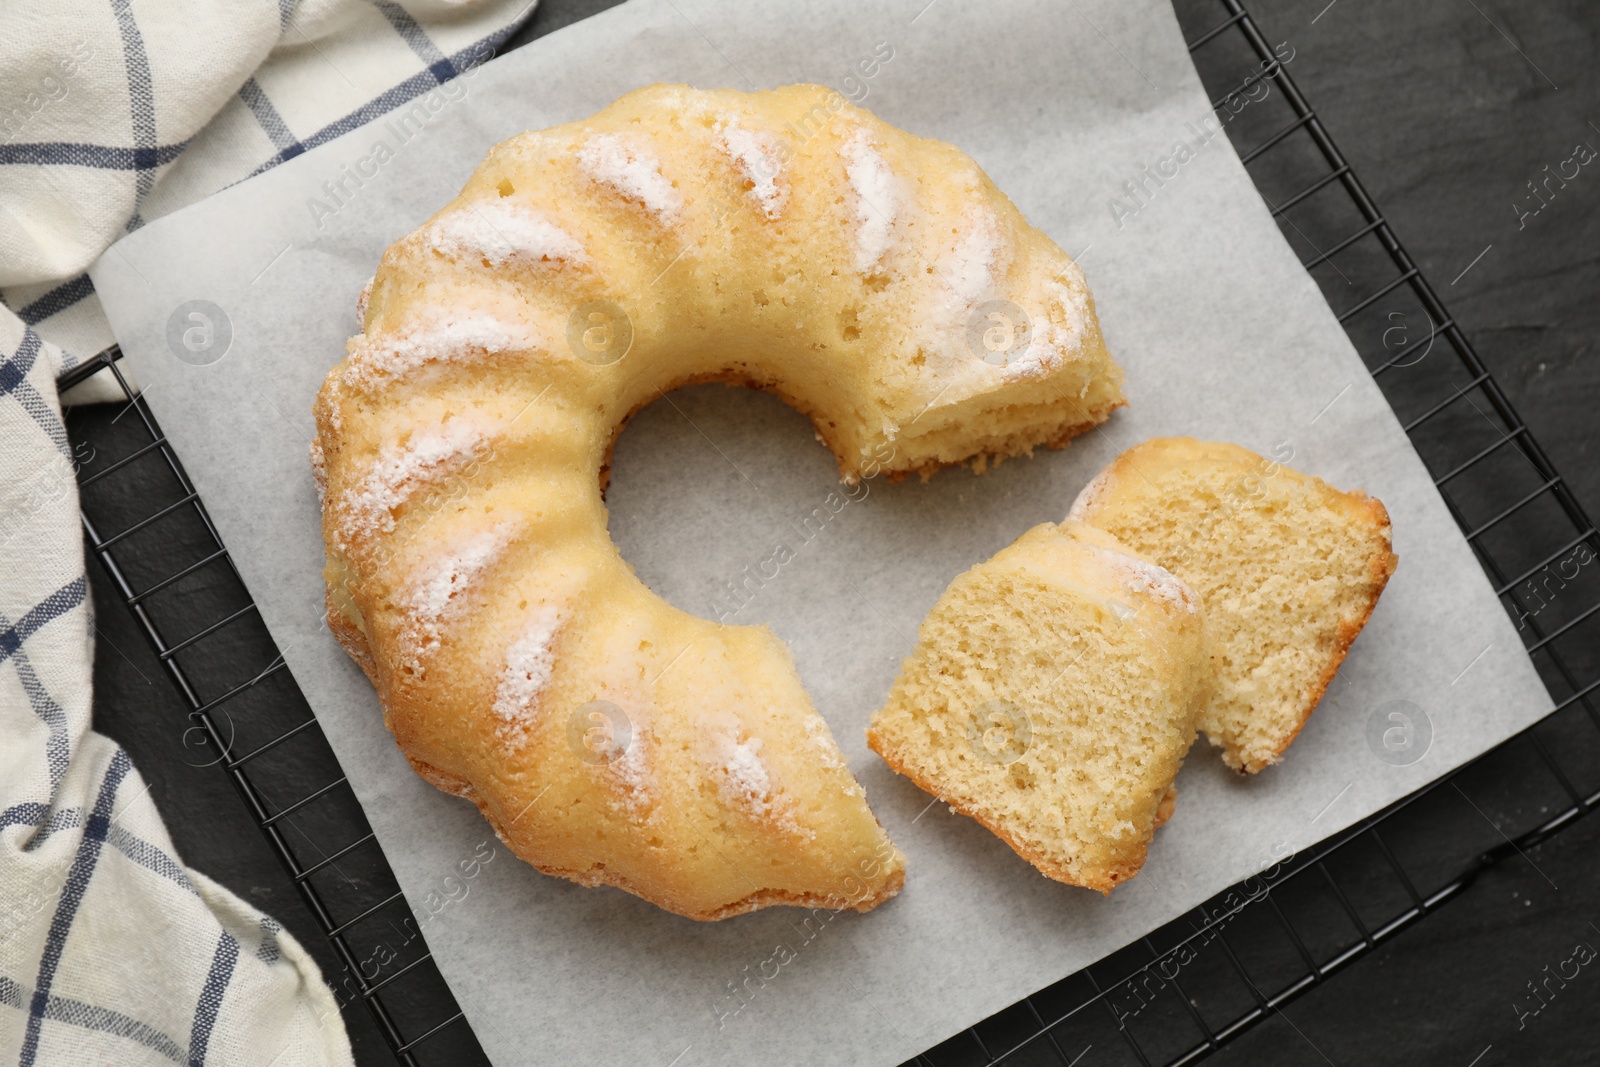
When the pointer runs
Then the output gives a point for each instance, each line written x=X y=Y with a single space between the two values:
x=116 y=112
x=111 y=113
x=111 y=951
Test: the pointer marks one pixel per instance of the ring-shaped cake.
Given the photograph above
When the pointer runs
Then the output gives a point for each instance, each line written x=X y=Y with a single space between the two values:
x=784 y=240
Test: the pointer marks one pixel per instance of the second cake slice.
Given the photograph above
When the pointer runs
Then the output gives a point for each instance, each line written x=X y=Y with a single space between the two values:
x=1290 y=569
x=1052 y=695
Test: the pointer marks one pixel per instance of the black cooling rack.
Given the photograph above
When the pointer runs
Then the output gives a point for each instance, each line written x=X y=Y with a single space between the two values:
x=1170 y=998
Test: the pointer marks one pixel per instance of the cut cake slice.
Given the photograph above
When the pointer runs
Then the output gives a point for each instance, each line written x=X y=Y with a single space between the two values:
x=1289 y=567
x=1052 y=694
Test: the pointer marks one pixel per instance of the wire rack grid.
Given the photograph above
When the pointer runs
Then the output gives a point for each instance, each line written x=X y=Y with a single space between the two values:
x=1174 y=996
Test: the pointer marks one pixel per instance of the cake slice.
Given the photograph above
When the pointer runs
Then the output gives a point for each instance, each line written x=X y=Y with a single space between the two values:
x=1289 y=568
x=1052 y=694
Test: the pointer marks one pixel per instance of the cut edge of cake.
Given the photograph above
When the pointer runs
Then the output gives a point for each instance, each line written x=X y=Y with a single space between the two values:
x=886 y=736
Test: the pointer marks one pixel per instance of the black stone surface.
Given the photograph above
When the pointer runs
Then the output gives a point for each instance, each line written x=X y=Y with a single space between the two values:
x=1446 y=109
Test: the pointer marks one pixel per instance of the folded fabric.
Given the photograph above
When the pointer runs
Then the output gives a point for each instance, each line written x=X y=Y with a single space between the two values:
x=115 y=113
x=111 y=950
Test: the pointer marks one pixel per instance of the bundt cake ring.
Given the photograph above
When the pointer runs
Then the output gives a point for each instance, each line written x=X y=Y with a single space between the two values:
x=782 y=240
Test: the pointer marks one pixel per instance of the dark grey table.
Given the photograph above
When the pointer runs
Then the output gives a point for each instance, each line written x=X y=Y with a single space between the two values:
x=1447 y=109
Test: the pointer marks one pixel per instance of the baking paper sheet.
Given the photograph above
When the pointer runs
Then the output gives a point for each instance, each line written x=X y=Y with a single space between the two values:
x=1221 y=332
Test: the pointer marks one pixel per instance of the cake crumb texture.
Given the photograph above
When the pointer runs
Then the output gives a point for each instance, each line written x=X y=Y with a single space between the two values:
x=1052 y=695
x=1289 y=567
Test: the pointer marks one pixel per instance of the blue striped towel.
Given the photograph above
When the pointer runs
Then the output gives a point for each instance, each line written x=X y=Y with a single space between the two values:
x=111 y=113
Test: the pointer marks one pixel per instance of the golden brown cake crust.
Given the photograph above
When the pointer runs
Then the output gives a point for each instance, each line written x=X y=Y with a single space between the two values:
x=351 y=639
x=598 y=876
x=1168 y=805
x=1103 y=879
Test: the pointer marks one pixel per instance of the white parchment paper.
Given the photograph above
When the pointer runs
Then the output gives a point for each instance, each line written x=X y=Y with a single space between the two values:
x=1222 y=335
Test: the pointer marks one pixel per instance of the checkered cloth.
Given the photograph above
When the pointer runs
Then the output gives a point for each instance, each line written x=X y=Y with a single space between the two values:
x=113 y=112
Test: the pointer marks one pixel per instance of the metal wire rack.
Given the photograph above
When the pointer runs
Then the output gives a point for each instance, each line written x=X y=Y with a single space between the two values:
x=1186 y=989
x=256 y=726
x=1179 y=994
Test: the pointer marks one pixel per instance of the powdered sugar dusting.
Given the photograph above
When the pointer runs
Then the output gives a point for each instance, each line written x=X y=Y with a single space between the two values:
x=319 y=473
x=442 y=588
x=456 y=571
x=436 y=336
x=614 y=160
x=817 y=733
x=1072 y=297
x=1090 y=497
x=759 y=158
x=364 y=299
x=876 y=201
x=398 y=472
x=970 y=267
x=1059 y=338
x=501 y=231
x=1040 y=359
x=745 y=782
x=630 y=773
x=1142 y=576
x=530 y=661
